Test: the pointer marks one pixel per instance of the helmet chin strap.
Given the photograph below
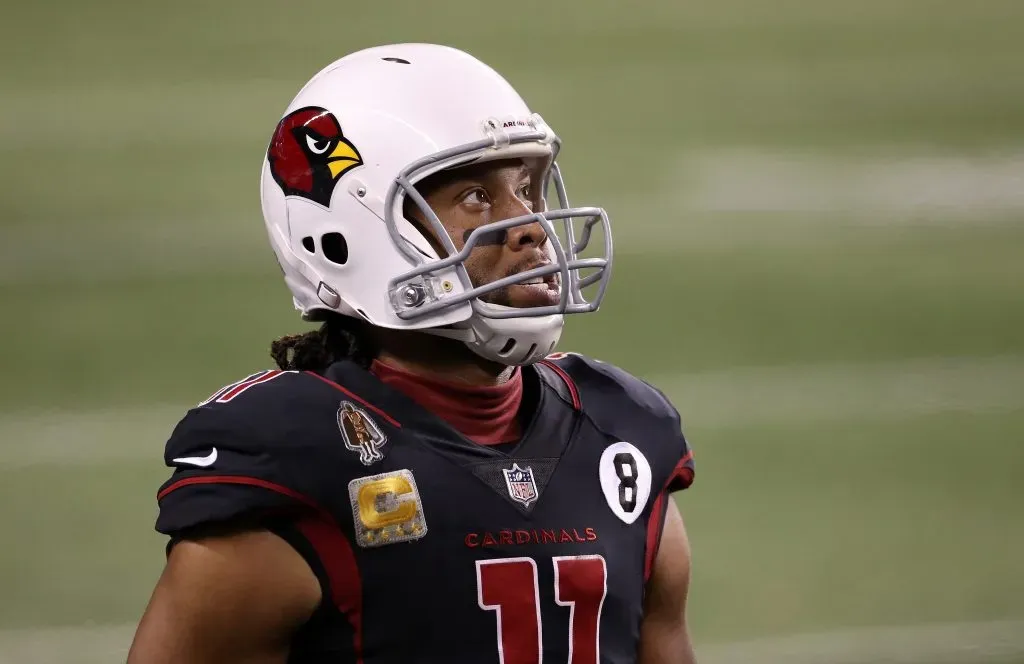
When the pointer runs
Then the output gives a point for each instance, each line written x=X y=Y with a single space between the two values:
x=508 y=341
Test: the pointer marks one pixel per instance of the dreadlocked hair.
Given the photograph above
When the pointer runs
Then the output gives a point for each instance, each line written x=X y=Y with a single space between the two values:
x=343 y=337
x=338 y=338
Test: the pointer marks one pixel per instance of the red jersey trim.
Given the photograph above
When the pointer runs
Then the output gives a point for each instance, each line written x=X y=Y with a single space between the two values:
x=326 y=538
x=569 y=383
x=351 y=395
x=654 y=527
x=239 y=388
x=656 y=522
x=339 y=562
x=240 y=479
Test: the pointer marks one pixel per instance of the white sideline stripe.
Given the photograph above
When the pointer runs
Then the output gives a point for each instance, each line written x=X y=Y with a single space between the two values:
x=83 y=249
x=957 y=643
x=976 y=642
x=760 y=199
x=867 y=391
x=749 y=180
x=719 y=399
x=794 y=197
x=114 y=116
x=66 y=645
x=97 y=436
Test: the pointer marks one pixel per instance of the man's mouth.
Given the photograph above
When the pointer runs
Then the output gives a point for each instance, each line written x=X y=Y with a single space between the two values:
x=551 y=281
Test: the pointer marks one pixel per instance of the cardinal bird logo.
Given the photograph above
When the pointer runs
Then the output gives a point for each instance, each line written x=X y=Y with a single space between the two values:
x=309 y=153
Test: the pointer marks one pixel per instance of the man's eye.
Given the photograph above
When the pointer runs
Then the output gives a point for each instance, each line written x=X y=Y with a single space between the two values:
x=526 y=196
x=476 y=197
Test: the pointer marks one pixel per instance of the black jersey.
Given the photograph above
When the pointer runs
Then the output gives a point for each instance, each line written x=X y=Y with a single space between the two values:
x=432 y=548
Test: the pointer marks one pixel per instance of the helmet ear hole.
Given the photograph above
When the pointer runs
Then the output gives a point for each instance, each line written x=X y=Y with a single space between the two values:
x=335 y=247
x=307 y=244
x=508 y=347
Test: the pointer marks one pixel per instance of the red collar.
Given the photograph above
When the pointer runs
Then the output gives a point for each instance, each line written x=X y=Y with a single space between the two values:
x=485 y=415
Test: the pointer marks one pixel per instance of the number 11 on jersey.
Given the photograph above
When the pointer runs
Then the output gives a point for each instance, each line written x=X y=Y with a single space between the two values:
x=509 y=587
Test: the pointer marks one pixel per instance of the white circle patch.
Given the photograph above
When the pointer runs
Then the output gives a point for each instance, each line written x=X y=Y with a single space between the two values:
x=625 y=480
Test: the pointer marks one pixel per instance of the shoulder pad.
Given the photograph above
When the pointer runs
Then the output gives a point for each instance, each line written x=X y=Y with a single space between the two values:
x=253 y=413
x=602 y=382
x=630 y=409
x=247 y=447
x=258 y=387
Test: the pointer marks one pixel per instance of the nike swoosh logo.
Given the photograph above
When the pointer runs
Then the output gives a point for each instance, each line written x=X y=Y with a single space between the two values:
x=202 y=461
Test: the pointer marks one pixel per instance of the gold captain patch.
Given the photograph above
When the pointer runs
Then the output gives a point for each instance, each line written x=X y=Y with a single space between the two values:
x=387 y=509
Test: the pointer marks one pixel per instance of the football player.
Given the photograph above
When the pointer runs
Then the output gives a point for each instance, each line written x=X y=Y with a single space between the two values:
x=422 y=479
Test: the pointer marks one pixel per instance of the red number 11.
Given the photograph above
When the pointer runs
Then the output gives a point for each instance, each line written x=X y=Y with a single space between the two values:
x=508 y=586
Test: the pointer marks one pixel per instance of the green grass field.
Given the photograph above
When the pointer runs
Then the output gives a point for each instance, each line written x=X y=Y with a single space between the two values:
x=819 y=218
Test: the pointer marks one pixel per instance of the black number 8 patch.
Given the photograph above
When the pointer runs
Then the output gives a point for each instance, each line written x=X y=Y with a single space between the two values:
x=625 y=480
x=625 y=470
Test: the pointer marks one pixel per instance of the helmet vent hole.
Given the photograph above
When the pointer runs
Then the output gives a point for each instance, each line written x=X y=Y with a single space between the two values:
x=507 y=348
x=400 y=61
x=335 y=247
x=307 y=244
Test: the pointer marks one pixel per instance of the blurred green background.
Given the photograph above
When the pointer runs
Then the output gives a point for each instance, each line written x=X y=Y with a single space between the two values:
x=819 y=218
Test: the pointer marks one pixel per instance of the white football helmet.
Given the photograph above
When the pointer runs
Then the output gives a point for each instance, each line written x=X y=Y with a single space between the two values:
x=346 y=156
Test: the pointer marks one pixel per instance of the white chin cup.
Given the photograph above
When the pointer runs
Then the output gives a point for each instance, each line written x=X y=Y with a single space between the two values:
x=508 y=341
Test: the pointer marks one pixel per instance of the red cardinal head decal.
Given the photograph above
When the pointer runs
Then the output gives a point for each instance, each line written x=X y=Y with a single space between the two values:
x=308 y=154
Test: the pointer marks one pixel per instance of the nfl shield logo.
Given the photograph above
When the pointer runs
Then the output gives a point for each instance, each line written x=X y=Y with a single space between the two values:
x=521 y=487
